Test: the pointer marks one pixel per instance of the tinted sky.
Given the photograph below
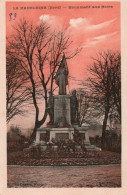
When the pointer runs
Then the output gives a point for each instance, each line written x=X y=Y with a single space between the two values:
x=93 y=29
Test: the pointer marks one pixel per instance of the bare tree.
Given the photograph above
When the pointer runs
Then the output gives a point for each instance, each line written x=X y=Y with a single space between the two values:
x=103 y=83
x=89 y=110
x=83 y=106
x=39 y=52
x=17 y=93
x=116 y=81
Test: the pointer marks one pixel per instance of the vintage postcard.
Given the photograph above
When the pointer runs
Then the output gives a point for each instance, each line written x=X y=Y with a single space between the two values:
x=63 y=69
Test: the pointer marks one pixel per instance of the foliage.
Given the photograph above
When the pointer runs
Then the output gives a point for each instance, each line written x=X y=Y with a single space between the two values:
x=64 y=145
x=112 y=142
x=51 y=157
x=15 y=140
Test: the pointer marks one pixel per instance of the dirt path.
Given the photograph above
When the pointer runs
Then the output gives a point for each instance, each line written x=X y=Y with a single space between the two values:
x=64 y=176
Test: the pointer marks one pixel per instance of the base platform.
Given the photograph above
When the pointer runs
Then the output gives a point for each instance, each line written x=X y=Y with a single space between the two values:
x=47 y=134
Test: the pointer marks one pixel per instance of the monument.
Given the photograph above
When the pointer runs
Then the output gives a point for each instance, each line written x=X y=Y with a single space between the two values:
x=62 y=101
x=63 y=114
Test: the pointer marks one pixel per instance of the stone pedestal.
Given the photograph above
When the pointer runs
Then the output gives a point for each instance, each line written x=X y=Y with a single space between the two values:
x=54 y=133
x=40 y=136
x=84 y=130
x=62 y=117
x=61 y=133
x=87 y=144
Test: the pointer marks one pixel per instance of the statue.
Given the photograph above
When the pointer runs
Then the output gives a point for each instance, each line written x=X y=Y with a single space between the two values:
x=61 y=76
x=74 y=107
x=50 y=108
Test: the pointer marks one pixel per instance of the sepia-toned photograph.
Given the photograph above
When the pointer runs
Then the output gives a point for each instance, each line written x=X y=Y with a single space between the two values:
x=63 y=94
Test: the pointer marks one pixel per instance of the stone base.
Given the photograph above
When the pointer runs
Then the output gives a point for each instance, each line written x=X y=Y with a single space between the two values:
x=54 y=133
x=92 y=148
x=84 y=131
x=87 y=143
x=39 y=139
x=60 y=134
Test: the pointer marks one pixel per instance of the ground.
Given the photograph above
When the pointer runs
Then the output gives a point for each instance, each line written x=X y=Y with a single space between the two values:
x=64 y=176
x=54 y=158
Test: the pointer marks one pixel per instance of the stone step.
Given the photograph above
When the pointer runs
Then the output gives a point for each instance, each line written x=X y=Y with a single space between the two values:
x=92 y=147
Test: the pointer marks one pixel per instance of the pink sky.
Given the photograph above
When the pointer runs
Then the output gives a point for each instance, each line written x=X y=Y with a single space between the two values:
x=93 y=29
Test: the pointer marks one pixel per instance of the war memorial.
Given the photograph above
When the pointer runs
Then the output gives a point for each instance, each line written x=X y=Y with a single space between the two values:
x=63 y=115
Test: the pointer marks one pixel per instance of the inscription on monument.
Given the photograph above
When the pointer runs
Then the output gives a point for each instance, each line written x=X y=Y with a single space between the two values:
x=62 y=109
x=61 y=136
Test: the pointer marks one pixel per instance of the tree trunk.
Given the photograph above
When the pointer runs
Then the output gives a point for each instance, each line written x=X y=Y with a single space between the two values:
x=104 y=126
x=38 y=123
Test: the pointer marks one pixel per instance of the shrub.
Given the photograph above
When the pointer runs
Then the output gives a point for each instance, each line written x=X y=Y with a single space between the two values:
x=112 y=142
x=15 y=140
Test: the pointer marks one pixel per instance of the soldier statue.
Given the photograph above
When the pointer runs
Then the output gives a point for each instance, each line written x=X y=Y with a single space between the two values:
x=50 y=108
x=74 y=107
x=61 y=76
